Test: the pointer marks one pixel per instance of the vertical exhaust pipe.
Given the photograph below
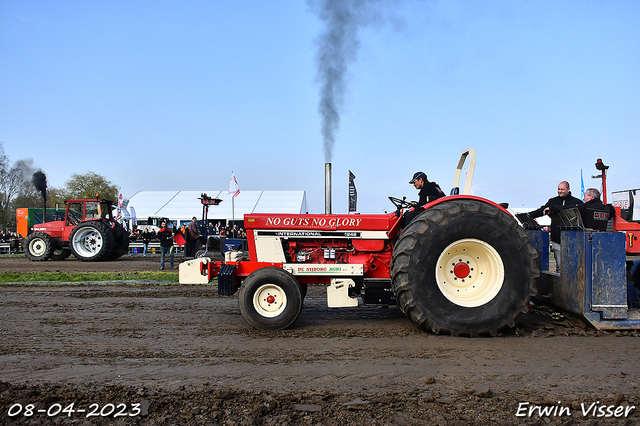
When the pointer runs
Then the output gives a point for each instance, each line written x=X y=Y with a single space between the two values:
x=39 y=181
x=327 y=188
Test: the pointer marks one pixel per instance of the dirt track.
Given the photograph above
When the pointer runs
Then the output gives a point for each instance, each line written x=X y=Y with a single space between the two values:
x=131 y=263
x=187 y=356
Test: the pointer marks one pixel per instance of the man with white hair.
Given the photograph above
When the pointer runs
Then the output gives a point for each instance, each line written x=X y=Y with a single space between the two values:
x=595 y=214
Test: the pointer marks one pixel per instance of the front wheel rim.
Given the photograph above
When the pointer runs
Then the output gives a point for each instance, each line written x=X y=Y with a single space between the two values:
x=37 y=247
x=270 y=300
x=470 y=272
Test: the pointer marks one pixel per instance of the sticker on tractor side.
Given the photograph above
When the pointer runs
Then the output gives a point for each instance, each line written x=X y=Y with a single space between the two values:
x=324 y=269
x=331 y=222
x=334 y=234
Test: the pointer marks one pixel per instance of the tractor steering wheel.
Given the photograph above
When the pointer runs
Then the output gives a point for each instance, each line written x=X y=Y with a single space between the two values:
x=400 y=204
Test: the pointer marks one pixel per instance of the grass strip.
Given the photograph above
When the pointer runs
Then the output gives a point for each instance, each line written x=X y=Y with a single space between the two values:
x=13 y=277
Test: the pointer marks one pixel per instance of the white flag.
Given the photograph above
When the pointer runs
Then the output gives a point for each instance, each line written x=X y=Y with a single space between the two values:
x=134 y=219
x=119 y=208
x=233 y=186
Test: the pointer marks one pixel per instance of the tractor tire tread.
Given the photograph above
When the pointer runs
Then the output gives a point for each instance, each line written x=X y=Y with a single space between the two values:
x=442 y=216
x=108 y=241
x=46 y=240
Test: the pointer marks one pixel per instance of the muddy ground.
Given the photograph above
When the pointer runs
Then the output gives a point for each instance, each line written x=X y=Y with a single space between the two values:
x=131 y=263
x=155 y=354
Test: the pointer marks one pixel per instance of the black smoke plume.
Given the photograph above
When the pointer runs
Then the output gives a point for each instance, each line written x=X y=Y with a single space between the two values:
x=39 y=180
x=338 y=46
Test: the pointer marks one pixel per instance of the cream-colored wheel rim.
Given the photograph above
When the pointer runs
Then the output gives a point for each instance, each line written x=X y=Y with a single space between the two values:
x=470 y=272
x=269 y=300
x=37 y=247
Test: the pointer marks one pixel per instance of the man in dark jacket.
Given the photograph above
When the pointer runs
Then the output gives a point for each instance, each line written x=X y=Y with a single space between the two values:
x=146 y=239
x=563 y=201
x=193 y=236
x=165 y=235
x=429 y=191
x=595 y=215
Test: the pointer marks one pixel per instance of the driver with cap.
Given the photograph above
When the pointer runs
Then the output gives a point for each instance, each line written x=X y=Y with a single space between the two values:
x=429 y=191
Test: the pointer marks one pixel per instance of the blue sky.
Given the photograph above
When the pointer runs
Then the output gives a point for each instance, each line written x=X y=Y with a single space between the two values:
x=166 y=95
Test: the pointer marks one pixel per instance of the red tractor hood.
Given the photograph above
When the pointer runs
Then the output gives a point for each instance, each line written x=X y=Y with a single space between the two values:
x=321 y=222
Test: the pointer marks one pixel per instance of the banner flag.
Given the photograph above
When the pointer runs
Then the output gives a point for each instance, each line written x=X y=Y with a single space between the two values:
x=581 y=186
x=134 y=219
x=353 y=194
x=119 y=208
x=233 y=186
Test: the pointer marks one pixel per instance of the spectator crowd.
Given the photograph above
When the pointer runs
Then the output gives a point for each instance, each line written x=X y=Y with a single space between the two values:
x=7 y=236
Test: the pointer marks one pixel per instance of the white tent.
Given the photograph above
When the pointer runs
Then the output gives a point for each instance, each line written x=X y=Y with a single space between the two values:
x=183 y=205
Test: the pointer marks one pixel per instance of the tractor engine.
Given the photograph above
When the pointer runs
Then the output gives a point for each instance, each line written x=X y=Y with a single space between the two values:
x=374 y=255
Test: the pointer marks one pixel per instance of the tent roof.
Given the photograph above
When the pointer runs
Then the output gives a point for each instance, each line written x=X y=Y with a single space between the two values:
x=183 y=205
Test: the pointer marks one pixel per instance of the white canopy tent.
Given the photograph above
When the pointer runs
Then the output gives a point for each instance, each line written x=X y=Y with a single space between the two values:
x=183 y=205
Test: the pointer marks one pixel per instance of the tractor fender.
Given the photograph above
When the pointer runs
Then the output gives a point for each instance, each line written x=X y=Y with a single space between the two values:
x=463 y=197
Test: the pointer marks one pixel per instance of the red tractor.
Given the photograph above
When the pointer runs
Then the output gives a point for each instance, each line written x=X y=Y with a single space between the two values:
x=462 y=266
x=88 y=231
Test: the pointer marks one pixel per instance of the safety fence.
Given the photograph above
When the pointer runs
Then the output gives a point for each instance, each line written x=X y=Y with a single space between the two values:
x=134 y=248
x=152 y=248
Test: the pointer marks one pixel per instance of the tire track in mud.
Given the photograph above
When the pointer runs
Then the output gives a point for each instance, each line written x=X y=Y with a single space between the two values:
x=190 y=355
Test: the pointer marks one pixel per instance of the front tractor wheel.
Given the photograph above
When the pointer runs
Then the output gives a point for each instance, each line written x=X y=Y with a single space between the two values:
x=38 y=246
x=92 y=241
x=270 y=299
x=464 y=267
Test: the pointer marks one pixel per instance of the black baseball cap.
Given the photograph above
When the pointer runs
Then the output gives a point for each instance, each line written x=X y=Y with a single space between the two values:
x=418 y=175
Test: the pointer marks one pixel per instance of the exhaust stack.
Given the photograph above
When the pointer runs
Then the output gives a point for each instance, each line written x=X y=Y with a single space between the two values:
x=39 y=180
x=327 y=188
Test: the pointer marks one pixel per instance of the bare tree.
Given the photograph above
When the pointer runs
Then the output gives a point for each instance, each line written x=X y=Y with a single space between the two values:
x=11 y=184
x=17 y=188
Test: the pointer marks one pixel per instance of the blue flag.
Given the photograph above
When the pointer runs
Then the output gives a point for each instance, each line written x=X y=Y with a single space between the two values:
x=581 y=186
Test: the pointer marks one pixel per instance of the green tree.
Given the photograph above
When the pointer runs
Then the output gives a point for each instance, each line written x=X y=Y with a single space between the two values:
x=88 y=185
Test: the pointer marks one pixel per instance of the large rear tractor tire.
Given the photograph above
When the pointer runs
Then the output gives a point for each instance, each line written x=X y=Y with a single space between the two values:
x=464 y=267
x=91 y=241
x=121 y=245
x=270 y=299
x=60 y=254
x=38 y=247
